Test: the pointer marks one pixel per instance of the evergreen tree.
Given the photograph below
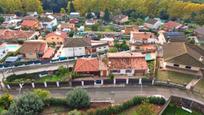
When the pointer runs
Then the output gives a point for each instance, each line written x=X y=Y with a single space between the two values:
x=106 y=17
x=72 y=9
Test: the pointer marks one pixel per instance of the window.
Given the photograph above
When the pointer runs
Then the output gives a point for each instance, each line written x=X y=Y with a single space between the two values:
x=188 y=67
x=176 y=65
x=128 y=71
x=115 y=71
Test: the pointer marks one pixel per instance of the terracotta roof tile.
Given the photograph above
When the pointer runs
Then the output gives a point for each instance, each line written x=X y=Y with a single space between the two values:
x=48 y=53
x=171 y=25
x=142 y=35
x=127 y=61
x=29 y=23
x=6 y=34
x=33 y=46
x=60 y=34
x=89 y=65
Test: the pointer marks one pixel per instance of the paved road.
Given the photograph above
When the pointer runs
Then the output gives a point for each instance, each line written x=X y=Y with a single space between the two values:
x=33 y=69
x=121 y=94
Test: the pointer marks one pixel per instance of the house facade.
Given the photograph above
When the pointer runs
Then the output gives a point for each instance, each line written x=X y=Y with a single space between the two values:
x=127 y=63
x=76 y=47
x=99 y=46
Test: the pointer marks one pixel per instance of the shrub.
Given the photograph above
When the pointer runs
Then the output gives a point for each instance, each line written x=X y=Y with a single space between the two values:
x=5 y=101
x=133 y=102
x=145 y=109
x=26 y=104
x=78 y=98
x=111 y=76
x=43 y=94
x=157 y=100
x=55 y=102
x=74 y=112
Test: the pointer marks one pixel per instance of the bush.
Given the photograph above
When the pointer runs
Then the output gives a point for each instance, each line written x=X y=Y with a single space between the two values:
x=55 y=102
x=157 y=100
x=5 y=101
x=43 y=94
x=145 y=109
x=74 y=112
x=26 y=104
x=111 y=76
x=78 y=98
x=131 y=103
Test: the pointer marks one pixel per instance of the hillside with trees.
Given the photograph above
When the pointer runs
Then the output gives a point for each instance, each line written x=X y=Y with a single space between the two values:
x=173 y=9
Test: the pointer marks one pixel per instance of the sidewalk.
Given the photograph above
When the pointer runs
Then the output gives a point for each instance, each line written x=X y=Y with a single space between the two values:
x=192 y=83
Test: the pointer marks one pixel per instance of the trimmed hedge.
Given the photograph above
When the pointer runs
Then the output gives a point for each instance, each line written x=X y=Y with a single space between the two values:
x=55 y=102
x=157 y=100
x=131 y=103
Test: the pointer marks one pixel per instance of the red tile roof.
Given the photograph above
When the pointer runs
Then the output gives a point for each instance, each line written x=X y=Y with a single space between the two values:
x=6 y=34
x=171 y=25
x=60 y=34
x=127 y=60
x=33 y=46
x=142 y=35
x=48 y=53
x=29 y=23
x=89 y=65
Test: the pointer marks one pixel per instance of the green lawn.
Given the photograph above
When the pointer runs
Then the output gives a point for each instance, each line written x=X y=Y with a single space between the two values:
x=175 y=77
x=62 y=75
x=173 y=110
x=143 y=108
x=199 y=87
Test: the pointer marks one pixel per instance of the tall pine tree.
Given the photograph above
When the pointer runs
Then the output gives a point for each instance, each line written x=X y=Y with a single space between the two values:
x=106 y=17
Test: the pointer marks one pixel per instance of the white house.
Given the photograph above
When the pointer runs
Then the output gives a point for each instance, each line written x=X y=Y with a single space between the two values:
x=48 y=22
x=153 y=23
x=76 y=47
x=99 y=46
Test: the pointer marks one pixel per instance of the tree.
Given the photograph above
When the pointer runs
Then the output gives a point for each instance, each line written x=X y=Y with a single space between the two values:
x=124 y=46
x=163 y=15
x=1 y=19
x=78 y=98
x=72 y=9
x=74 y=112
x=89 y=15
x=26 y=104
x=43 y=94
x=6 y=100
x=106 y=17
x=95 y=27
x=62 y=10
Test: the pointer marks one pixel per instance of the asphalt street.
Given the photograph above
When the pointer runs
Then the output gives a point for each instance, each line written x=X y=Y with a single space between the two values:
x=121 y=94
